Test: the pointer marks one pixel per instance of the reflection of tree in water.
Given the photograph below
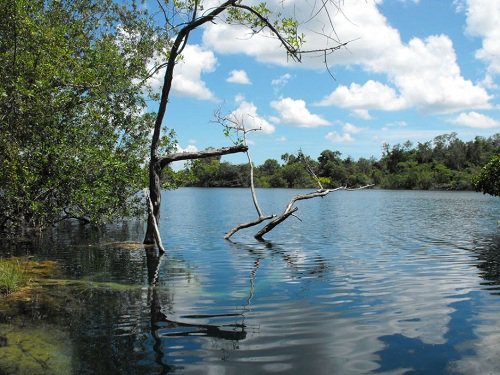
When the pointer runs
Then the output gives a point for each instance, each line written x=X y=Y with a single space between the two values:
x=488 y=253
x=122 y=327
x=163 y=327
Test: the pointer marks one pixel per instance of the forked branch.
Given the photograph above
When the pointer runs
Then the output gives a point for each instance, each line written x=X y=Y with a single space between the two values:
x=290 y=209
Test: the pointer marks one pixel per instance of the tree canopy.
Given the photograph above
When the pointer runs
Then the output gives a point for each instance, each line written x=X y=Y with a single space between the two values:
x=73 y=130
x=488 y=180
x=445 y=163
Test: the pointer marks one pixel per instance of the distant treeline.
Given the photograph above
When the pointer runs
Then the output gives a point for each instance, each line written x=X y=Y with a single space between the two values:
x=445 y=163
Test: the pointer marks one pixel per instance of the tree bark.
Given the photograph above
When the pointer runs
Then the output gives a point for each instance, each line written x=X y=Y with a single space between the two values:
x=155 y=199
x=155 y=169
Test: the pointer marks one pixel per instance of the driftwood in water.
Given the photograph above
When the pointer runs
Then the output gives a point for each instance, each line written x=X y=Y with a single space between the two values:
x=290 y=209
x=238 y=126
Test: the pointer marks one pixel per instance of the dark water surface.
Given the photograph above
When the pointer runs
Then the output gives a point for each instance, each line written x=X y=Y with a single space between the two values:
x=369 y=282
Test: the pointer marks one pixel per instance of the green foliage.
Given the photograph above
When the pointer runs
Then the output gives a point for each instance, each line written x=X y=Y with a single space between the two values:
x=73 y=132
x=446 y=163
x=13 y=275
x=488 y=180
x=259 y=16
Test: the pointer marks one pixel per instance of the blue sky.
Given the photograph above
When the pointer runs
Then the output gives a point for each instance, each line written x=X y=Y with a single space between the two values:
x=414 y=69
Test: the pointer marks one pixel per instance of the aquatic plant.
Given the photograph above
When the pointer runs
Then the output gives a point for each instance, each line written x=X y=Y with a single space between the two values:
x=13 y=275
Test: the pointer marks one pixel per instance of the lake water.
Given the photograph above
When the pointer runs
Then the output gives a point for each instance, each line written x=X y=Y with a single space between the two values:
x=369 y=281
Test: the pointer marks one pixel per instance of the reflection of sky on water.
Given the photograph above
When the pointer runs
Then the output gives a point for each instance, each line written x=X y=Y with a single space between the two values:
x=368 y=282
x=352 y=294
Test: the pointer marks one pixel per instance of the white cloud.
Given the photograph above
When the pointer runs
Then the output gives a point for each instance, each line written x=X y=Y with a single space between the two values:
x=189 y=148
x=428 y=76
x=178 y=165
x=246 y=115
x=350 y=128
x=371 y=95
x=263 y=46
x=337 y=138
x=281 y=139
x=239 y=98
x=362 y=114
x=476 y=120
x=281 y=80
x=483 y=20
x=187 y=74
x=239 y=76
x=424 y=72
x=295 y=112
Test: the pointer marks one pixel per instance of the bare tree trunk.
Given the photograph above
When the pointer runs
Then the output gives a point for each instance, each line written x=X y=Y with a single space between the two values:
x=157 y=165
x=155 y=198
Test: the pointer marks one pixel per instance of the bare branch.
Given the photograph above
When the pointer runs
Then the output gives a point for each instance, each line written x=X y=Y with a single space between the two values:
x=177 y=156
x=309 y=169
x=247 y=225
x=291 y=209
x=292 y=51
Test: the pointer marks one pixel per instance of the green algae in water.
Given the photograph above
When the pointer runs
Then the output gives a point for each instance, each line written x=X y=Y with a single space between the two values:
x=33 y=351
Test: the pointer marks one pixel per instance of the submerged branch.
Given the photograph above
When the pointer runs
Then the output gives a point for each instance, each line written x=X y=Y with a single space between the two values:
x=247 y=225
x=291 y=209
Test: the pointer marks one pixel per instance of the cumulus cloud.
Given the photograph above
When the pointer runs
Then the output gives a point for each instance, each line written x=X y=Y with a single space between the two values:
x=189 y=148
x=350 y=128
x=371 y=95
x=476 y=120
x=424 y=72
x=238 y=76
x=246 y=115
x=483 y=20
x=187 y=75
x=337 y=138
x=295 y=112
x=262 y=46
x=281 y=80
x=428 y=76
x=362 y=114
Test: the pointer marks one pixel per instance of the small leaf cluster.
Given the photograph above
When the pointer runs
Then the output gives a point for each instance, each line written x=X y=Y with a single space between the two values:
x=488 y=180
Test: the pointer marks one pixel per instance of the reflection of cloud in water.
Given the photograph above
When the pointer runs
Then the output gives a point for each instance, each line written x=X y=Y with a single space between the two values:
x=411 y=298
x=353 y=312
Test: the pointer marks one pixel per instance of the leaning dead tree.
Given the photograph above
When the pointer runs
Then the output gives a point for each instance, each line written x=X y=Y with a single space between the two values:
x=236 y=126
x=181 y=18
x=232 y=124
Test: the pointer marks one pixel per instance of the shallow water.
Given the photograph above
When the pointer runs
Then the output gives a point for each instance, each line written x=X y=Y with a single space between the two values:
x=368 y=282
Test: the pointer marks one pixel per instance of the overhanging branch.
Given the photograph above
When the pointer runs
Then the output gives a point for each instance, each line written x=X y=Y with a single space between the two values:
x=178 y=156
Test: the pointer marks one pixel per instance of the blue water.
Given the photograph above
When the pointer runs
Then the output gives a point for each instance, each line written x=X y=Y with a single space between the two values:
x=365 y=282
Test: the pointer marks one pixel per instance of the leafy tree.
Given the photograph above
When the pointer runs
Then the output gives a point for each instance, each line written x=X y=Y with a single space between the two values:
x=73 y=129
x=488 y=180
